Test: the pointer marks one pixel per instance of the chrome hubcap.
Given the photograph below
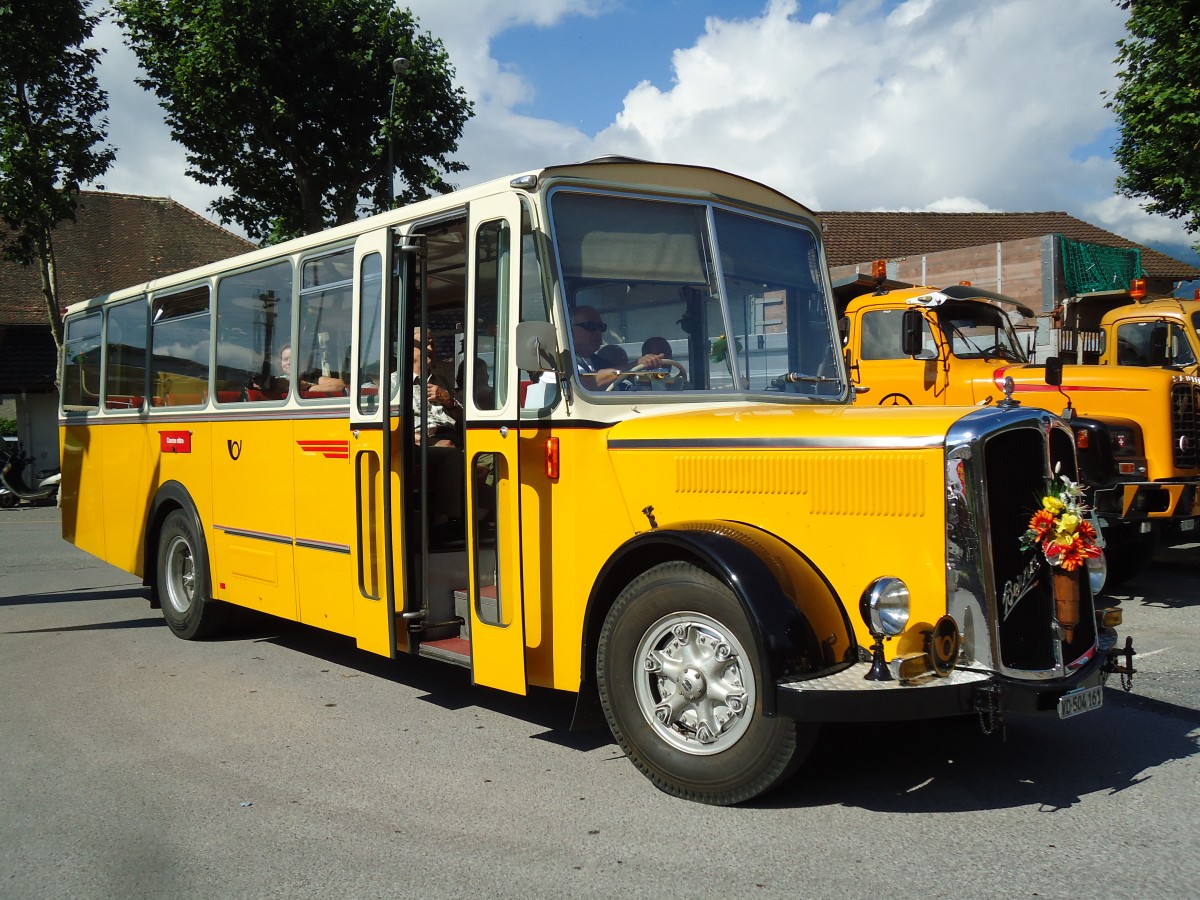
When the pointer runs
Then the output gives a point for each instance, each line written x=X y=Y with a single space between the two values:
x=694 y=683
x=180 y=575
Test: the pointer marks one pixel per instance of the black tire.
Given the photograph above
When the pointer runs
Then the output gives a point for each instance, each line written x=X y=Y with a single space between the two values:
x=183 y=582
x=680 y=614
x=9 y=500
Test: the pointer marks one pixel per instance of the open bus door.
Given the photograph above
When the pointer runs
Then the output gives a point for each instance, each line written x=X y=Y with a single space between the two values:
x=497 y=624
x=372 y=436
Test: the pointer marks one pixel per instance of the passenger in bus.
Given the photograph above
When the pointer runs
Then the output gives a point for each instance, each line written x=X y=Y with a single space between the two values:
x=444 y=413
x=483 y=395
x=587 y=333
x=273 y=387
x=613 y=356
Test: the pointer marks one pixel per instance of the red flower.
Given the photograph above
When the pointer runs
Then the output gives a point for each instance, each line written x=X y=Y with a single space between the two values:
x=1042 y=523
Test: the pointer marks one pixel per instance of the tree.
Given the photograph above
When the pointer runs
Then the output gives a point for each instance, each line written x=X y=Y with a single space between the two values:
x=51 y=123
x=1158 y=107
x=284 y=103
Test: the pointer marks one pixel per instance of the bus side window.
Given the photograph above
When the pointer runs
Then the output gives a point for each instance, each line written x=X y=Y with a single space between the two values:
x=321 y=355
x=180 y=341
x=254 y=334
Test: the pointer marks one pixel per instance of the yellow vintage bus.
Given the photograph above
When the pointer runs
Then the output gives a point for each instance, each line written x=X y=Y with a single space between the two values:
x=638 y=475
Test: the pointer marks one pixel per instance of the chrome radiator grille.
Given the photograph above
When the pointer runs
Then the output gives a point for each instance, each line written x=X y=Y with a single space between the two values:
x=1027 y=638
x=1185 y=425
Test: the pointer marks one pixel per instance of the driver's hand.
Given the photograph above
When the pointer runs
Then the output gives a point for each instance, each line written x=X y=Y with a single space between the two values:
x=651 y=360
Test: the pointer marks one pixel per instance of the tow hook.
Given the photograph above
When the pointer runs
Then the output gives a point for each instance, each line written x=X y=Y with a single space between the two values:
x=1120 y=660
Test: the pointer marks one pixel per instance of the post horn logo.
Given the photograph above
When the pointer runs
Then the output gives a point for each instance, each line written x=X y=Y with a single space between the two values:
x=235 y=449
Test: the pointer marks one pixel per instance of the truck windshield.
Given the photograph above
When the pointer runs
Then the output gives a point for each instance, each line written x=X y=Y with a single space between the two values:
x=679 y=298
x=979 y=331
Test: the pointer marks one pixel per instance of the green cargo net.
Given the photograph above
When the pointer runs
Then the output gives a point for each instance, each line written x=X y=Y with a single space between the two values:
x=1095 y=267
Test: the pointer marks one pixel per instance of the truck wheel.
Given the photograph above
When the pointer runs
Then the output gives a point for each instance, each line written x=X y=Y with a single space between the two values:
x=681 y=687
x=183 y=584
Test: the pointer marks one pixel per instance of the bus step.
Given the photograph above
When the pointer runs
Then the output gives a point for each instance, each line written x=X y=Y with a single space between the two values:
x=452 y=650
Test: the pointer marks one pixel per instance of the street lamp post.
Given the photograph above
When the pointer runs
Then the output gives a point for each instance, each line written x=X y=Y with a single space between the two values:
x=399 y=66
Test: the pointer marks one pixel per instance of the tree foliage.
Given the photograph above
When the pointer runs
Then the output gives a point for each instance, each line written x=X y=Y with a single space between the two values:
x=1158 y=107
x=52 y=129
x=284 y=104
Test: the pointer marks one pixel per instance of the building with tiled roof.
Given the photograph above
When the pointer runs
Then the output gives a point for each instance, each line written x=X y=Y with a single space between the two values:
x=1011 y=252
x=117 y=240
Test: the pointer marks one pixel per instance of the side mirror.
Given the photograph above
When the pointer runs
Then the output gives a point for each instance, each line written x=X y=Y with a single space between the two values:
x=537 y=346
x=1158 y=344
x=911 y=326
x=1054 y=371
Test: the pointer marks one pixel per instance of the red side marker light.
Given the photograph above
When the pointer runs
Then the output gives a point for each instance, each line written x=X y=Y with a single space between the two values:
x=552 y=458
x=1081 y=439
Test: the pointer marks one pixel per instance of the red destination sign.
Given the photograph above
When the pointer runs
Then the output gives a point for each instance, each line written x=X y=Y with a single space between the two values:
x=175 y=441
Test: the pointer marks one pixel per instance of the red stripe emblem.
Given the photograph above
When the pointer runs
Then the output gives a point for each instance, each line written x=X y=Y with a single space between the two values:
x=328 y=449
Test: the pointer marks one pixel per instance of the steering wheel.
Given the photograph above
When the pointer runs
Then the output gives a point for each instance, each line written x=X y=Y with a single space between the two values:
x=665 y=378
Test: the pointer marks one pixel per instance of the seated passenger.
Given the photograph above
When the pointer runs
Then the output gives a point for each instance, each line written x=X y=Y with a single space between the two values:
x=444 y=413
x=587 y=333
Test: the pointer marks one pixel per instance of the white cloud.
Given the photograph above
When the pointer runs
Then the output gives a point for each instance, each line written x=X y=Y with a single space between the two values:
x=951 y=105
x=863 y=109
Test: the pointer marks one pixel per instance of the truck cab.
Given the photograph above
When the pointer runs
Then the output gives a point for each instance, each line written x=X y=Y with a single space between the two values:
x=1137 y=429
x=1154 y=334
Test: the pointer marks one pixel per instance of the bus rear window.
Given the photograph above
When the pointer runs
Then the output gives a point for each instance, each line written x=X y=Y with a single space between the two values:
x=81 y=365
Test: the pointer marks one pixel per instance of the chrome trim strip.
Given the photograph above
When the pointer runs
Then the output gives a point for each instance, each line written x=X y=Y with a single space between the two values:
x=323 y=545
x=922 y=442
x=255 y=535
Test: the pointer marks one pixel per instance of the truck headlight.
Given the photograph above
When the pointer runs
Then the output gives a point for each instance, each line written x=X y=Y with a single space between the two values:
x=1097 y=570
x=884 y=606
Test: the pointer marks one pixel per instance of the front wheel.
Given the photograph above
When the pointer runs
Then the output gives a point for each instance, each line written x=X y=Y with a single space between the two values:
x=183 y=583
x=681 y=686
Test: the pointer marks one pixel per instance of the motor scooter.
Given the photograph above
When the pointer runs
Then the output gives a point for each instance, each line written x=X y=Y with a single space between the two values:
x=43 y=487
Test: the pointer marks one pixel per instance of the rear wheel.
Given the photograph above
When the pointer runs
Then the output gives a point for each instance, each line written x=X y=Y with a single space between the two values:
x=681 y=686
x=183 y=583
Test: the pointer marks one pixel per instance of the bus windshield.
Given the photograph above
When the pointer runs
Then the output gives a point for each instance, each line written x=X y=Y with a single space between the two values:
x=719 y=301
x=979 y=331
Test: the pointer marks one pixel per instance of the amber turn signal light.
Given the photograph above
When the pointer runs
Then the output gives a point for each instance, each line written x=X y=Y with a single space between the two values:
x=552 y=457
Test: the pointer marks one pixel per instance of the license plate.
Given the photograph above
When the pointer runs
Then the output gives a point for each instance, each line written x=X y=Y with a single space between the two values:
x=1187 y=524
x=1080 y=701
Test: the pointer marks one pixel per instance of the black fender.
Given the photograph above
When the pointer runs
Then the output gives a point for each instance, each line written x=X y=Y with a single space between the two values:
x=786 y=600
x=171 y=495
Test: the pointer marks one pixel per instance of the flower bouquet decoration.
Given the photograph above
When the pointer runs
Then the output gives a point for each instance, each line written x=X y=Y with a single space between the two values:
x=1063 y=534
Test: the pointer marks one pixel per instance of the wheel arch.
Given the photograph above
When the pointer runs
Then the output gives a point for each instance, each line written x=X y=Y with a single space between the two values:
x=799 y=623
x=170 y=496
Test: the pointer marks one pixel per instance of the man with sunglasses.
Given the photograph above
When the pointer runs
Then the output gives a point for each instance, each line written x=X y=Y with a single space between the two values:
x=587 y=334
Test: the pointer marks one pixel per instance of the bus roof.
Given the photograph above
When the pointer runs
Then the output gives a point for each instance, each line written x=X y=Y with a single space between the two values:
x=679 y=179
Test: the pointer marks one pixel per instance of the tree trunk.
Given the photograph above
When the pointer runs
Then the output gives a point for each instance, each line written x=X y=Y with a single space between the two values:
x=49 y=271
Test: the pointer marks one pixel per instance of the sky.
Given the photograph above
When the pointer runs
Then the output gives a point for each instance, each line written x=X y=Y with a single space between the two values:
x=933 y=105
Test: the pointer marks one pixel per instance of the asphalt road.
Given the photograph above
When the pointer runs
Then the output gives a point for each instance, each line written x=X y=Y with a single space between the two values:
x=282 y=762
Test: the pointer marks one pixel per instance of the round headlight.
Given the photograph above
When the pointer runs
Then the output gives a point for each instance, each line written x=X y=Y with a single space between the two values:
x=884 y=606
x=1097 y=569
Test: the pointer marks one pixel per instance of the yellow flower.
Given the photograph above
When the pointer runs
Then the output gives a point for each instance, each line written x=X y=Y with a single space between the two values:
x=1053 y=505
x=1068 y=523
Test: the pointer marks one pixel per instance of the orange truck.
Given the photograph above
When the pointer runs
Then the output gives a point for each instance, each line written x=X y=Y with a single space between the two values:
x=1137 y=427
x=1127 y=328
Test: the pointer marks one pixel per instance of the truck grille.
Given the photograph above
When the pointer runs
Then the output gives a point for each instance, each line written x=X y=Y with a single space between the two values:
x=1027 y=639
x=1185 y=425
